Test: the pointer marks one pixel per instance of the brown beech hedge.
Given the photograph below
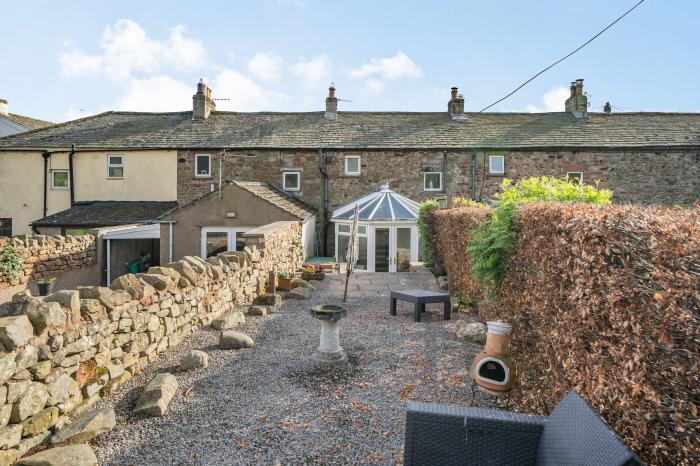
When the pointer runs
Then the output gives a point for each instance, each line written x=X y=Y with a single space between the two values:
x=604 y=300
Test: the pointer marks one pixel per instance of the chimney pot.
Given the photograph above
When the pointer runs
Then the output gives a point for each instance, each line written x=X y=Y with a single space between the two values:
x=607 y=108
x=331 y=104
x=4 y=110
x=202 y=103
x=455 y=107
x=577 y=103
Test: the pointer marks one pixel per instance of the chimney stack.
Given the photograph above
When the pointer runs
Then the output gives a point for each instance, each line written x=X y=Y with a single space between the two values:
x=577 y=104
x=455 y=107
x=202 y=103
x=4 y=110
x=331 y=104
x=607 y=108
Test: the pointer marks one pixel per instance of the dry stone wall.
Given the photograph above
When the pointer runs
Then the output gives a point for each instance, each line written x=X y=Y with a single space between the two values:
x=60 y=353
x=44 y=256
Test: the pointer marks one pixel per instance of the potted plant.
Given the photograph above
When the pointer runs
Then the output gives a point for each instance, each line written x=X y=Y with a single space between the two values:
x=46 y=285
x=313 y=272
x=284 y=282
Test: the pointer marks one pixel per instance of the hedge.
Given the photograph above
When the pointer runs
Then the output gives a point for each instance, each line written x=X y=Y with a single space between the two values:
x=604 y=300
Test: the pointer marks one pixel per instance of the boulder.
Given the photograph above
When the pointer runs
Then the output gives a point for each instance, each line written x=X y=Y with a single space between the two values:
x=167 y=271
x=137 y=288
x=301 y=283
x=157 y=281
x=229 y=320
x=258 y=310
x=15 y=331
x=30 y=402
x=120 y=297
x=40 y=422
x=10 y=436
x=157 y=395
x=70 y=300
x=299 y=293
x=474 y=332
x=7 y=366
x=86 y=426
x=101 y=293
x=73 y=455
x=443 y=283
x=268 y=299
x=9 y=456
x=231 y=339
x=62 y=389
x=185 y=270
x=91 y=310
x=194 y=359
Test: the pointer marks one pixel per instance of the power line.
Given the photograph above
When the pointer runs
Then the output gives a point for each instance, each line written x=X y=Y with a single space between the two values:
x=565 y=57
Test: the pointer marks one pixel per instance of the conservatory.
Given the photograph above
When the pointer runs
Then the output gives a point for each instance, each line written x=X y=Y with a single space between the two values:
x=387 y=233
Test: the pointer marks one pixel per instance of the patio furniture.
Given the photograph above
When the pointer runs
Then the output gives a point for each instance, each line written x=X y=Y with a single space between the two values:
x=419 y=298
x=573 y=434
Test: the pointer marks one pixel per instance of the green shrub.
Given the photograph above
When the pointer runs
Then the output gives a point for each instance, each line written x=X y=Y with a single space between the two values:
x=466 y=202
x=493 y=240
x=427 y=254
x=10 y=263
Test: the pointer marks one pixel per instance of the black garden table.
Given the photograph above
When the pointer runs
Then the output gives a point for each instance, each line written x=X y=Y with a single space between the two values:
x=419 y=298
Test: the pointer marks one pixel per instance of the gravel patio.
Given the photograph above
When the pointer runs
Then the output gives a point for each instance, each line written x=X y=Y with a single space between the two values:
x=272 y=405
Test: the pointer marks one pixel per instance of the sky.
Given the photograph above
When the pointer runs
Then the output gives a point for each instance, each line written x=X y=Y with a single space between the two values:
x=71 y=59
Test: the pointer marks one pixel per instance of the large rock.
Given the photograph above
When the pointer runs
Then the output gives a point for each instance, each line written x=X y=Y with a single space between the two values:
x=258 y=310
x=301 y=283
x=185 y=270
x=100 y=293
x=62 y=389
x=474 y=332
x=229 y=320
x=91 y=310
x=31 y=402
x=7 y=366
x=40 y=422
x=269 y=299
x=231 y=339
x=194 y=359
x=443 y=283
x=10 y=436
x=157 y=395
x=157 y=281
x=73 y=455
x=15 y=331
x=47 y=315
x=167 y=271
x=137 y=288
x=299 y=293
x=86 y=426
x=69 y=299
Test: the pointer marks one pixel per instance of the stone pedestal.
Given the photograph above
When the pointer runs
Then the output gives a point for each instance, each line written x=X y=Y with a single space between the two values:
x=329 y=351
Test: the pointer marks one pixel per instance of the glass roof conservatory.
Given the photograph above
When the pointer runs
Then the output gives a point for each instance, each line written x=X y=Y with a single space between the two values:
x=387 y=231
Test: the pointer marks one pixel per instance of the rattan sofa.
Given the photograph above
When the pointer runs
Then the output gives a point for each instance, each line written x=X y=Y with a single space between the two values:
x=573 y=435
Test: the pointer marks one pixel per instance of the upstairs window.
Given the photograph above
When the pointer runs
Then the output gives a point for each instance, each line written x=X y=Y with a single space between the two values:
x=115 y=166
x=497 y=165
x=432 y=181
x=202 y=165
x=352 y=165
x=59 y=179
x=574 y=177
x=291 y=181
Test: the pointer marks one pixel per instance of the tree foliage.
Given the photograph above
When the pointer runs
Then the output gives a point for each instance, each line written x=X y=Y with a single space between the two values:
x=427 y=254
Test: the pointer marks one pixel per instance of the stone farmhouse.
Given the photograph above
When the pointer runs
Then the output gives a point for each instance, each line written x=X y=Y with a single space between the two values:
x=163 y=173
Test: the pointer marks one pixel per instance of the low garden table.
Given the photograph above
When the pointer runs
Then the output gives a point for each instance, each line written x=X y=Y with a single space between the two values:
x=419 y=298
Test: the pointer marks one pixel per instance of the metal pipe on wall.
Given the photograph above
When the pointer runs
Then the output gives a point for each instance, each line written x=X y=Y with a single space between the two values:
x=46 y=155
x=70 y=175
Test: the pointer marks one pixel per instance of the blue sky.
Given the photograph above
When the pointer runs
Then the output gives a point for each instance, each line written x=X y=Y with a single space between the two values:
x=63 y=60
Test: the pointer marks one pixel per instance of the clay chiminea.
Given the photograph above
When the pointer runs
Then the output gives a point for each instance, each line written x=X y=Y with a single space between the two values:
x=493 y=369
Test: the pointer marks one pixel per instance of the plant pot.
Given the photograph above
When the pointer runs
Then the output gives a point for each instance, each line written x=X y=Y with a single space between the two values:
x=45 y=289
x=313 y=276
x=284 y=284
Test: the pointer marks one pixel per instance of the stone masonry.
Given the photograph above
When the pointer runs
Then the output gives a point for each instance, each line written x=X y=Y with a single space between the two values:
x=61 y=353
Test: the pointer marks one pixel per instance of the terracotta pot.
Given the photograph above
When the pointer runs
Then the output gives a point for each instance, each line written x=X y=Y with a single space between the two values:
x=284 y=284
x=493 y=369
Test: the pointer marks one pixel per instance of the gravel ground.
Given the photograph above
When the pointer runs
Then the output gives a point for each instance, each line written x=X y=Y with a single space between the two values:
x=272 y=405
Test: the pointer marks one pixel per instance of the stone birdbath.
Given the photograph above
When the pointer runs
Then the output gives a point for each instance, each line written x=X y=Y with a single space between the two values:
x=329 y=351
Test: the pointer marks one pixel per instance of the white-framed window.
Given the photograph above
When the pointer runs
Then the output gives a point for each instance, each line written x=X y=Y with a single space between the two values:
x=352 y=165
x=497 y=164
x=432 y=181
x=59 y=179
x=215 y=240
x=574 y=177
x=115 y=166
x=202 y=165
x=343 y=241
x=291 y=181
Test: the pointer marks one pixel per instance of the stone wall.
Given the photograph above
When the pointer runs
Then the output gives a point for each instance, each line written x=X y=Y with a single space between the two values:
x=60 y=353
x=48 y=256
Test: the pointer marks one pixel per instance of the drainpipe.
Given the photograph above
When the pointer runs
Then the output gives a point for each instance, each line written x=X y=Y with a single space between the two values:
x=70 y=175
x=46 y=155
x=324 y=200
x=473 y=177
x=444 y=174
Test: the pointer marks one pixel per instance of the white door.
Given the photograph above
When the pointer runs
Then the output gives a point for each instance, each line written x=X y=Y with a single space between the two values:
x=215 y=240
x=393 y=247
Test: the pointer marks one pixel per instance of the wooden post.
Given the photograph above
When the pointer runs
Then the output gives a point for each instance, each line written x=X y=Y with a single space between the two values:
x=271 y=288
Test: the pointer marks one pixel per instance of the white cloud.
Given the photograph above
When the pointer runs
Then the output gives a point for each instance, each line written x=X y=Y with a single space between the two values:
x=127 y=49
x=374 y=85
x=156 y=94
x=312 y=72
x=245 y=94
x=398 y=66
x=265 y=66
x=552 y=101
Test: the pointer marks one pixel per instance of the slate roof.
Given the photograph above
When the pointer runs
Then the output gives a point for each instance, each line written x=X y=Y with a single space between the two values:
x=364 y=130
x=27 y=122
x=107 y=213
x=265 y=191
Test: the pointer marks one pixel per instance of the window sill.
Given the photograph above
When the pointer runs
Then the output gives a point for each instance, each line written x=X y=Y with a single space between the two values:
x=202 y=177
x=53 y=188
x=497 y=175
x=433 y=190
x=352 y=175
x=116 y=177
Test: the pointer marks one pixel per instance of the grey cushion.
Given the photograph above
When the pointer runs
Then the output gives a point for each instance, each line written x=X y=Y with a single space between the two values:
x=574 y=435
